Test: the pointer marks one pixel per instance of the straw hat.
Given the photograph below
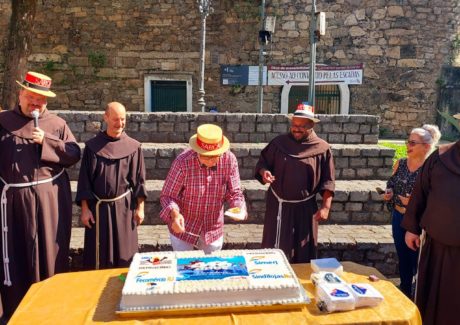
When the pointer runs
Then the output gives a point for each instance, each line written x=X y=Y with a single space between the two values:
x=304 y=110
x=37 y=83
x=457 y=116
x=209 y=140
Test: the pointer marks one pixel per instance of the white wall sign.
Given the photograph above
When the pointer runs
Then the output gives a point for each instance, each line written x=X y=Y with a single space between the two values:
x=291 y=75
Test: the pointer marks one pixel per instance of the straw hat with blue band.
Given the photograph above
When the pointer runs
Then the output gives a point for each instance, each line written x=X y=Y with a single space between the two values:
x=304 y=110
x=209 y=140
x=37 y=83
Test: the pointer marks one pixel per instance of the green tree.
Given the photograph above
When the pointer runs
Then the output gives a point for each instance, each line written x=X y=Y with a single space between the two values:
x=18 y=48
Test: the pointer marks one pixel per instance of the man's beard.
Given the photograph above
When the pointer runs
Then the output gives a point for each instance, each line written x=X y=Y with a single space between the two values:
x=303 y=137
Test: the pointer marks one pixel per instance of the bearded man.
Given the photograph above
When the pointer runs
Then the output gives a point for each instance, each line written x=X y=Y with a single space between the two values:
x=297 y=166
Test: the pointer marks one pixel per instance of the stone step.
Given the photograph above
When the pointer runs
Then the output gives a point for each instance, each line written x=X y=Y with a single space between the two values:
x=355 y=202
x=364 y=244
x=352 y=161
x=167 y=127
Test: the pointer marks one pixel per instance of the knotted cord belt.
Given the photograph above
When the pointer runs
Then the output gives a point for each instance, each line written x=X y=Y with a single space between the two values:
x=99 y=201
x=422 y=243
x=280 y=210
x=3 y=212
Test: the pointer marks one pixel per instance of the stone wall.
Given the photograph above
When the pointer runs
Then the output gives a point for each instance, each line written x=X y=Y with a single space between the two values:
x=360 y=164
x=99 y=51
x=241 y=128
x=350 y=206
x=351 y=162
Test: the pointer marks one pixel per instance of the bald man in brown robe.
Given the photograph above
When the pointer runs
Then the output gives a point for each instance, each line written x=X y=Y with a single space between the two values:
x=112 y=173
x=297 y=165
x=36 y=218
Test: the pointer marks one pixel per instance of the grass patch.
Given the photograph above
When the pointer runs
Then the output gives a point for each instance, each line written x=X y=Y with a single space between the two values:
x=400 y=149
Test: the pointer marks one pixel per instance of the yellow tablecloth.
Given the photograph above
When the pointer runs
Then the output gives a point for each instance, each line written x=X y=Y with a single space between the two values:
x=92 y=298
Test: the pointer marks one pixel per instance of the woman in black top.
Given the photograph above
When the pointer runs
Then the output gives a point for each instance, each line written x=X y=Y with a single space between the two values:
x=399 y=188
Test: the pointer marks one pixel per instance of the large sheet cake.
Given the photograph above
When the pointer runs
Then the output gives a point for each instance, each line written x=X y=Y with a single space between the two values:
x=188 y=280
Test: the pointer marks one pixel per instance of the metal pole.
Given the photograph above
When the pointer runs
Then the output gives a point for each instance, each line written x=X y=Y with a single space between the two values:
x=204 y=7
x=311 y=82
x=260 y=97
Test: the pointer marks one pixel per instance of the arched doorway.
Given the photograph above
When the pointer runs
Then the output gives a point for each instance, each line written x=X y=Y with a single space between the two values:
x=327 y=98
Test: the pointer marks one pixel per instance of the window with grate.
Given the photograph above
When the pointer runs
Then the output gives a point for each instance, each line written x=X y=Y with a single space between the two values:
x=327 y=98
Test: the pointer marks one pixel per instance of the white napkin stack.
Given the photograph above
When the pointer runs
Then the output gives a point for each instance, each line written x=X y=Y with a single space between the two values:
x=365 y=295
x=334 y=294
x=325 y=277
x=326 y=265
x=334 y=297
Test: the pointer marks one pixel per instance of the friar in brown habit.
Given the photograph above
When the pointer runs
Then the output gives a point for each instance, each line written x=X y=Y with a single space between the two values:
x=36 y=202
x=111 y=192
x=297 y=165
x=434 y=208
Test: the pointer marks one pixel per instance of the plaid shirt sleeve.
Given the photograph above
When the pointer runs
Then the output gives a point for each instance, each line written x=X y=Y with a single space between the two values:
x=172 y=186
x=234 y=195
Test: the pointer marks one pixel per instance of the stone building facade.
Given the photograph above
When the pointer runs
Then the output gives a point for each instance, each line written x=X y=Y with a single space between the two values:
x=100 y=51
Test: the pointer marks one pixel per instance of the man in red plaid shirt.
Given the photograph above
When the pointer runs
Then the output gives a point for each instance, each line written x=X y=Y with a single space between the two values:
x=200 y=180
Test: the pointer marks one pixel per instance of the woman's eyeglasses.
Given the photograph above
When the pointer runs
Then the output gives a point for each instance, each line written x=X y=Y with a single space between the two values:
x=413 y=143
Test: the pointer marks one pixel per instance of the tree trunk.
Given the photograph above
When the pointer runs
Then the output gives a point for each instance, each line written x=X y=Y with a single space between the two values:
x=18 y=48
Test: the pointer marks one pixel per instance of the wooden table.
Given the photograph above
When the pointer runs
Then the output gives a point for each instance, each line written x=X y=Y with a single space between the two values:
x=92 y=298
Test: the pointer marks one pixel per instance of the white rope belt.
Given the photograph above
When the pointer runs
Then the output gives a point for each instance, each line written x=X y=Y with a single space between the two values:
x=99 y=201
x=422 y=243
x=280 y=211
x=3 y=212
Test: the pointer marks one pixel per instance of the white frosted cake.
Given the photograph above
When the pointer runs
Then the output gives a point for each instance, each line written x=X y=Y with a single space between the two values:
x=176 y=280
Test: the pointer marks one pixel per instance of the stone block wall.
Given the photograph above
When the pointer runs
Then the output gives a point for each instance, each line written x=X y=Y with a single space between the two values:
x=165 y=135
x=346 y=208
x=239 y=128
x=350 y=163
x=380 y=255
x=350 y=206
x=402 y=44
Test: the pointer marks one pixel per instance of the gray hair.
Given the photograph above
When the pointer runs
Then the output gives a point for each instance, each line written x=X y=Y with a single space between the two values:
x=429 y=133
